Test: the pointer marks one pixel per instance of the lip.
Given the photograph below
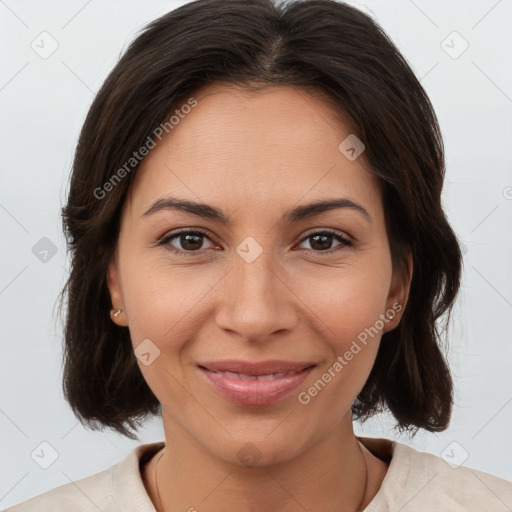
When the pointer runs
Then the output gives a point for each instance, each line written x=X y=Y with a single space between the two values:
x=247 y=388
x=256 y=368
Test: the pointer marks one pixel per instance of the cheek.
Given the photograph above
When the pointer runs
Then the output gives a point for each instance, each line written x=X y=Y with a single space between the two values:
x=347 y=311
x=348 y=303
x=342 y=302
x=148 y=295
x=348 y=316
x=160 y=301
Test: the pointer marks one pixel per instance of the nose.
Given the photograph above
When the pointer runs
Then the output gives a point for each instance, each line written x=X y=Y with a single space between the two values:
x=257 y=299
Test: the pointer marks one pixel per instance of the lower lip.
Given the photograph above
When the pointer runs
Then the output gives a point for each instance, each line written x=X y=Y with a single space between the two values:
x=254 y=392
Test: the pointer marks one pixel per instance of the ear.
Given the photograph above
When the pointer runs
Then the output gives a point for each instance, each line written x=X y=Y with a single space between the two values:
x=116 y=295
x=398 y=293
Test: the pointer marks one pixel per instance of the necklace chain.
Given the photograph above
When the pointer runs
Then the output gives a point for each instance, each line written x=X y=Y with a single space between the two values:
x=358 y=508
x=156 y=483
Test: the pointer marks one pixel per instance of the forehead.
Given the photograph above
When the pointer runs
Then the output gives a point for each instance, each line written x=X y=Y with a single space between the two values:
x=254 y=148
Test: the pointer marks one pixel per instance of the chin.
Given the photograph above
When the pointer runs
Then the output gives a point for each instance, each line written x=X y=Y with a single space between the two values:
x=257 y=449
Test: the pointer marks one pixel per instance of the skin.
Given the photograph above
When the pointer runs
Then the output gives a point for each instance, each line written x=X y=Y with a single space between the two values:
x=255 y=155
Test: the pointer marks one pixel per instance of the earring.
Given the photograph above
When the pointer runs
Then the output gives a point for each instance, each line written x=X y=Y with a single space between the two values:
x=115 y=313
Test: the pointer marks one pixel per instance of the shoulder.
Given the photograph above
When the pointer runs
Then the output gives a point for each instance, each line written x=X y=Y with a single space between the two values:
x=118 y=488
x=420 y=482
x=89 y=493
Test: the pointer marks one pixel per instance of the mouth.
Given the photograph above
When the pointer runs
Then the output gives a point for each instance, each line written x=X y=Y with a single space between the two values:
x=256 y=369
x=248 y=383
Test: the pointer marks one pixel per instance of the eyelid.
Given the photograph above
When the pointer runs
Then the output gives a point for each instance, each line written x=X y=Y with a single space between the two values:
x=331 y=231
x=346 y=240
x=172 y=234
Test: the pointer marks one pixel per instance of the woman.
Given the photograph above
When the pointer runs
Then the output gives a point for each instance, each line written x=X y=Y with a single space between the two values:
x=256 y=199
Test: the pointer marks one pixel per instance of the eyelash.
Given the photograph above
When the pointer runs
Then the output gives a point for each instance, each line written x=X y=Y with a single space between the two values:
x=344 y=241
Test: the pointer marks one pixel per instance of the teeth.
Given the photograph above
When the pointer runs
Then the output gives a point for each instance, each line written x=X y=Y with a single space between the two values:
x=242 y=376
x=267 y=377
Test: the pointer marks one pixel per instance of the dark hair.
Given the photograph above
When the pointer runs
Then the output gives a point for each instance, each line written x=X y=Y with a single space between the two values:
x=321 y=45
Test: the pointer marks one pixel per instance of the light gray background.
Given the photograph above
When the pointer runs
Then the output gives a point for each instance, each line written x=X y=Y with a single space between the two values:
x=43 y=104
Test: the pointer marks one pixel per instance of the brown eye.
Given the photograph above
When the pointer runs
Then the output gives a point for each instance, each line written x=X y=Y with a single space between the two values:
x=191 y=241
x=322 y=241
x=188 y=240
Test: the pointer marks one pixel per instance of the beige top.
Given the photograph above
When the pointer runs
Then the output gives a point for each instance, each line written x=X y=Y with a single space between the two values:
x=415 y=482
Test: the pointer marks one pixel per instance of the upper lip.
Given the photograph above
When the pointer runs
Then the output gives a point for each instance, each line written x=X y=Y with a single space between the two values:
x=256 y=368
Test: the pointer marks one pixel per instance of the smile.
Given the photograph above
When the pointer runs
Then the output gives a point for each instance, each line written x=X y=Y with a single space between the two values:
x=244 y=376
x=257 y=384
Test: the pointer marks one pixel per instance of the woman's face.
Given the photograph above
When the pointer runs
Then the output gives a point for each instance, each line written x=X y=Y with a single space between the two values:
x=261 y=281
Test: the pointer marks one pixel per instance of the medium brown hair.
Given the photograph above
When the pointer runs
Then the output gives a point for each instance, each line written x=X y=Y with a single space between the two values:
x=324 y=45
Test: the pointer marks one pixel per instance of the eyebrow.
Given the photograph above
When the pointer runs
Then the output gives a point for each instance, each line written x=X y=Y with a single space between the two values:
x=293 y=215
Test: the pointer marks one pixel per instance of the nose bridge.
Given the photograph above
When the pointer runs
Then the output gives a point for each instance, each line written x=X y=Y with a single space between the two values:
x=258 y=301
x=256 y=271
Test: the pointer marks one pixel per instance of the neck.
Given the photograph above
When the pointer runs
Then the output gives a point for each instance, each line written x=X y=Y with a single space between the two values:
x=337 y=473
